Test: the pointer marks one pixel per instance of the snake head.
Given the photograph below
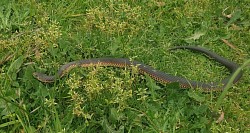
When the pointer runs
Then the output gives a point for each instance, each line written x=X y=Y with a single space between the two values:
x=43 y=77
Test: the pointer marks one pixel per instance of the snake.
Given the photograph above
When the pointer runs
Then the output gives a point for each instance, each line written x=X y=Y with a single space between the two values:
x=157 y=75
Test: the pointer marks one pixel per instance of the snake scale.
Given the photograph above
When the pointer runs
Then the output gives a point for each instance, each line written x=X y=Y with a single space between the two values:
x=157 y=75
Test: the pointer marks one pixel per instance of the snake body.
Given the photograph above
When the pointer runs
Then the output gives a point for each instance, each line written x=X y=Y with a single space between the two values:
x=145 y=69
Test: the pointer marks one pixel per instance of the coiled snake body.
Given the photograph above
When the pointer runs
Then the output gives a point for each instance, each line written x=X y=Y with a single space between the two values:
x=145 y=69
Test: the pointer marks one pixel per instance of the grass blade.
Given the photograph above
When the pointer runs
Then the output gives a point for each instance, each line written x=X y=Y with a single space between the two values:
x=230 y=83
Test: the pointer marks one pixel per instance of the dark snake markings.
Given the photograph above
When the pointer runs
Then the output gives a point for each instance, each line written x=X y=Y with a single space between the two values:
x=145 y=69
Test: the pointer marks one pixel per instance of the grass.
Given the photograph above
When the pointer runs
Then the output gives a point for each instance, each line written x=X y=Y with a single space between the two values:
x=43 y=35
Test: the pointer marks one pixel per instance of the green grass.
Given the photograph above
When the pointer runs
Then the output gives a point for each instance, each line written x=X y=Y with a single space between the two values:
x=43 y=35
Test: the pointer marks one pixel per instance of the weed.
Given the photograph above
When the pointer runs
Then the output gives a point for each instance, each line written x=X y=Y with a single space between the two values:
x=42 y=35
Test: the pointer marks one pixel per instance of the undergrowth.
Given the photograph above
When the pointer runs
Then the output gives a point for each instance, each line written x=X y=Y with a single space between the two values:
x=43 y=35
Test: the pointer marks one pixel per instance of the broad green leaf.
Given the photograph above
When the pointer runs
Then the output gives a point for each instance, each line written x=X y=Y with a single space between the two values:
x=195 y=36
x=196 y=96
x=152 y=86
x=236 y=15
x=14 y=68
x=113 y=114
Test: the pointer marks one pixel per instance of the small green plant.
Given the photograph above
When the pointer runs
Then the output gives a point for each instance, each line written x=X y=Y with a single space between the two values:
x=43 y=35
